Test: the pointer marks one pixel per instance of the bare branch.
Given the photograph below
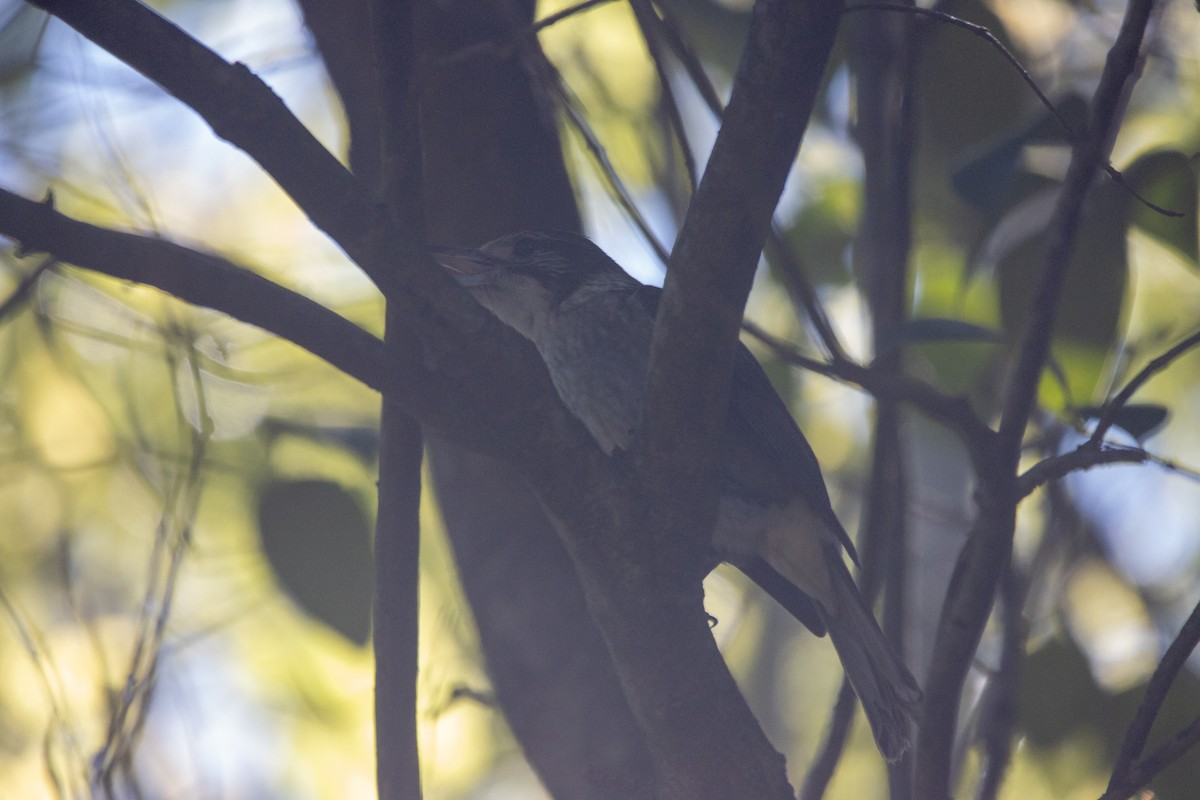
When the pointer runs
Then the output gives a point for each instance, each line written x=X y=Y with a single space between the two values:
x=718 y=248
x=397 y=140
x=569 y=11
x=1144 y=771
x=241 y=109
x=1127 y=775
x=24 y=287
x=649 y=24
x=777 y=249
x=989 y=546
x=1113 y=407
x=795 y=279
x=1084 y=457
x=989 y=37
x=695 y=336
x=820 y=773
x=954 y=412
x=441 y=395
x=998 y=707
x=244 y=111
x=199 y=278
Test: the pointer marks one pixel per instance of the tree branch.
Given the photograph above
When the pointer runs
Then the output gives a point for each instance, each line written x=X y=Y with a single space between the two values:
x=672 y=672
x=1144 y=771
x=1084 y=457
x=1127 y=776
x=396 y=140
x=1113 y=407
x=201 y=279
x=717 y=252
x=953 y=412
x=505 y=420
x=778 y=253
x=244 y=111
x=882 y=58
x=240 y=108
x=989 y=546
x=820 y=772
x=538 y=640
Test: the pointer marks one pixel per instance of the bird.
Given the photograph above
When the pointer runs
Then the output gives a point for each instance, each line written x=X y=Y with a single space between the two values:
x=592 y=323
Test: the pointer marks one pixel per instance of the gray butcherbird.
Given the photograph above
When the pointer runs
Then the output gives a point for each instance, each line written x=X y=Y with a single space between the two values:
x=592 y=324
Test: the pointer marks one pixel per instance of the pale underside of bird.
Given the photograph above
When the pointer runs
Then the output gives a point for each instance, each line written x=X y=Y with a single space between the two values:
x=592 y=324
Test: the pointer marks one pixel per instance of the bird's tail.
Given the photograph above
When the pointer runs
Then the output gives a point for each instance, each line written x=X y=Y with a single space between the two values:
x=888 y=693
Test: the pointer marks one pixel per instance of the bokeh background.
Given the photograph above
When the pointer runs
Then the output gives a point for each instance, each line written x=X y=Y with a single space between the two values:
x=186 y=502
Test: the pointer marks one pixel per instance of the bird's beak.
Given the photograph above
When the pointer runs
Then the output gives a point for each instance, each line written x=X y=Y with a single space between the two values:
x=469 y=267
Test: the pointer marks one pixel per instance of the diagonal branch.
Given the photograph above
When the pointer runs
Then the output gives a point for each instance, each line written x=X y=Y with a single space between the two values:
x=244 y=111
x=1141 y=773
x=201 y=279
x=1114 y=406
x=1084 y=457
x=1128 y=773
x=989 y=546
x=718 y=249
x=778 y=252
x=238 y=105
x=954 y=412
x=442 y=398
x=1087 y=157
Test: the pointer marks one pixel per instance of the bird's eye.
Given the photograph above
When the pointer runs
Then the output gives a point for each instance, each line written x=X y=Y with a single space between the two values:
x=523 y=248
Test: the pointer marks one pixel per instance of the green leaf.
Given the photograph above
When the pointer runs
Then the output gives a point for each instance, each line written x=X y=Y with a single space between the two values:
x=316 y=538
x=993 y=172
x=1138 y=419
x=1168 y=179
x=823 y=230
x=985 y=180
x=1091 y=308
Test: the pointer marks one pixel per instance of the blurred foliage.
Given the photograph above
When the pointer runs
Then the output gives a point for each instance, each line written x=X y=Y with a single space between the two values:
x=135 y=430
x=316 y=538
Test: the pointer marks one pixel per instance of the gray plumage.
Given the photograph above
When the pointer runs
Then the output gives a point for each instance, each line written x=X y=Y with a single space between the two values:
x=592 y=324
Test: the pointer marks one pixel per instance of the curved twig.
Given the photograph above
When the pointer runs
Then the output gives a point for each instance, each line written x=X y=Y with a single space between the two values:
x=1084 y=457
x=982 y=32
x=649 y=24
x=1128 y=773
x=1114 y=406
x=972 y=589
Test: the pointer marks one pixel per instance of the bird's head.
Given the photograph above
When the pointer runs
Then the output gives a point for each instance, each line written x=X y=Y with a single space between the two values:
x=525 y=278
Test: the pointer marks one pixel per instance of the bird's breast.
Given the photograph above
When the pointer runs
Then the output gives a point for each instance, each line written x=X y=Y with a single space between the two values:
x=597 y=358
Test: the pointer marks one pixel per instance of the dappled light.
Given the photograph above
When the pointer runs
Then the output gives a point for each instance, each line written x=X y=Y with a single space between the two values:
x=189 y=493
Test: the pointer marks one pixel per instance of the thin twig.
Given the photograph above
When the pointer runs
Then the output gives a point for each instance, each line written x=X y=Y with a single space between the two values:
x=989 y=37
x=552 y=79
x=777 y=248
x=569 y=11
x=1113 y=407
x=643 y=11
x=816 y=782
x=25 y=286
x=669 y=29
x=200 y=278
x=954 y=412
x=1144 y=771
x=1084 y=457
x=988 y=548
x=1157 y=689
x=982 y=32
x=795 y=279
x=998 y=715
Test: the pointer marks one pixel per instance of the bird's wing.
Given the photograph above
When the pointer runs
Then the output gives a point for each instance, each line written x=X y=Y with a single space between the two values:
x=767 y=457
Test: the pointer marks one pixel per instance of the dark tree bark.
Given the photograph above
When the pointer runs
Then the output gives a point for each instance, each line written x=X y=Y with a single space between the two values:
x=494 y=165
x=539 y=643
